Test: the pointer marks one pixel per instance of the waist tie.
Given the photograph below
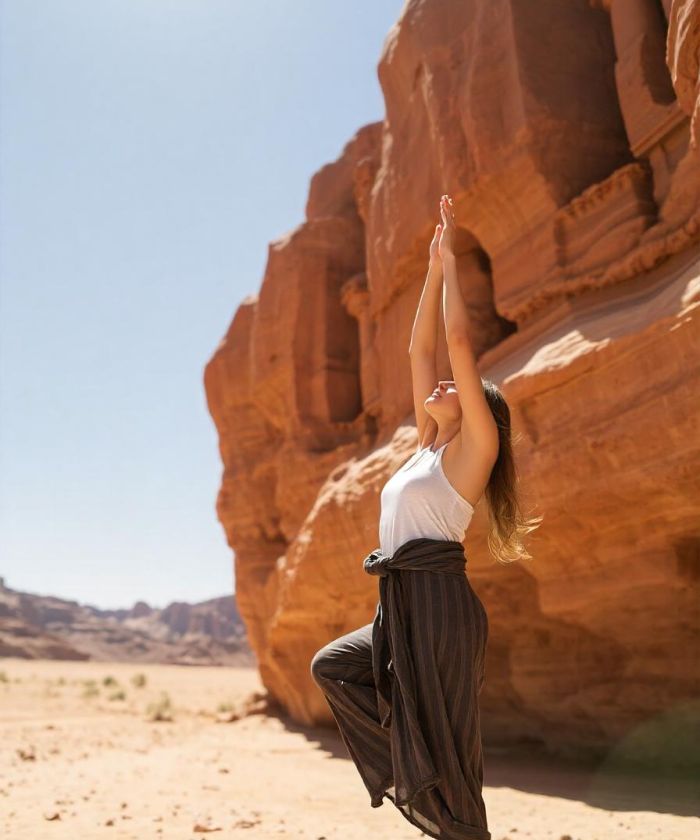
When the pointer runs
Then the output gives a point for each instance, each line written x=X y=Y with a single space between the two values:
x=392 y=660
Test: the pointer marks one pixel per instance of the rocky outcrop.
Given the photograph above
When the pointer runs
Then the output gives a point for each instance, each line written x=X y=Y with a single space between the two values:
x=567 y=135
x=44 y=627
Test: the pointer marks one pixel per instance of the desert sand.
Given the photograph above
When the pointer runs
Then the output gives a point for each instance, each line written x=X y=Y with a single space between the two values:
x=84 y=759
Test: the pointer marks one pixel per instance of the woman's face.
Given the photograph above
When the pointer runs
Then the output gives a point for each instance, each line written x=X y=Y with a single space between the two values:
x=443 y=403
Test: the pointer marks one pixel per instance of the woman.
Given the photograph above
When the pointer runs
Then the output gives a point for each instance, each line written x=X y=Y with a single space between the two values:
x=404 y=688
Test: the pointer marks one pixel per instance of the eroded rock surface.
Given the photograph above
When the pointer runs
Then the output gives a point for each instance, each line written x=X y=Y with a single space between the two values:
x=567 y=134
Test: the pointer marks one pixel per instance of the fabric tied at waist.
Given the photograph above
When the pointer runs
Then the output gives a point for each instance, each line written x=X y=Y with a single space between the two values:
x=421 y=554
x=393 y=662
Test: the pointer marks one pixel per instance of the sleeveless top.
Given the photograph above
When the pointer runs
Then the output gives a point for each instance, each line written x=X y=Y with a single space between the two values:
x=419 y=501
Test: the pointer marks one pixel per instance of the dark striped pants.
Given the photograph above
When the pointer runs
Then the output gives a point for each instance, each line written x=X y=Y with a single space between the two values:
x=342 y=669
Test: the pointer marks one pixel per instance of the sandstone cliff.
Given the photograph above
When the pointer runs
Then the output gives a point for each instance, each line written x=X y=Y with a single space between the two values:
x=568 y=135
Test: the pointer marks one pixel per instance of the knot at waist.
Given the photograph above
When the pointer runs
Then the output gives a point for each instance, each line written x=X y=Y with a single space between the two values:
x=422 y=554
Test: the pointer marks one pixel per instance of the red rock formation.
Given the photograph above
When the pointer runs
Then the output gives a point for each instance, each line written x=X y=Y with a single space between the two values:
x=567 y=135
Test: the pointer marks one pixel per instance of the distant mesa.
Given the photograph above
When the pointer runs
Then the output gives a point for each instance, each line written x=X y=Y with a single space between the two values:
x=43 y=627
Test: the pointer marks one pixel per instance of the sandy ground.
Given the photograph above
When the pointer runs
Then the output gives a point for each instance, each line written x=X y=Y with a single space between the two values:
x=76 y=764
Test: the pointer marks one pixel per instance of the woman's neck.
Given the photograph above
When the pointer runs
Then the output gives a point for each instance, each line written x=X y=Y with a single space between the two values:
x=443 y=437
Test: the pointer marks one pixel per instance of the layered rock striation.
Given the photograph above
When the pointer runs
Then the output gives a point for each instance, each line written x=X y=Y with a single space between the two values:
x=568 y=136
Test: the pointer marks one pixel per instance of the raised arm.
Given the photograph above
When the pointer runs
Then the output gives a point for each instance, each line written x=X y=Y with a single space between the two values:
x=423 y=344
x=478 y=426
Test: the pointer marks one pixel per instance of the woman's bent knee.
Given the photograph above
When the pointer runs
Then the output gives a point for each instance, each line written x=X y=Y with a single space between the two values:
x=318 y=663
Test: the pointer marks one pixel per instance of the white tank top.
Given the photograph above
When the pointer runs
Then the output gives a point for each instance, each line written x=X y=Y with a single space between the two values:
x=419 y=501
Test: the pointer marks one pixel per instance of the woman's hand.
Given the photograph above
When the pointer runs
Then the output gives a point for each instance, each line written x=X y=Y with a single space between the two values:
x=434 y=250
x=446 y=239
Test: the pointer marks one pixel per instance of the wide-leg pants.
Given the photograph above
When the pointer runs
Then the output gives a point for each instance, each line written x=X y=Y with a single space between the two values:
x=342 y=669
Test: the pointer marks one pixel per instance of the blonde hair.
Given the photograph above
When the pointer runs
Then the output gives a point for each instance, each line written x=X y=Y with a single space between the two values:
x=509 y=524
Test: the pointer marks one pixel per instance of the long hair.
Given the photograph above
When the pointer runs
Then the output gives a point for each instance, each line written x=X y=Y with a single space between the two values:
x=508 y=522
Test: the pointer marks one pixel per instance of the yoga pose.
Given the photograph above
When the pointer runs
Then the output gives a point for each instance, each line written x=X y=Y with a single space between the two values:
x=404 y=688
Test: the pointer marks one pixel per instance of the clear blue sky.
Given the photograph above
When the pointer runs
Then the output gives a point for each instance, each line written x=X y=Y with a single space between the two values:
x=149 y=151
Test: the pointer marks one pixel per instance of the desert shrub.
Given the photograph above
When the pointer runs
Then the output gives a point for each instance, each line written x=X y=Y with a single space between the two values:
x=119 y=694
x=161 y=709
x=90 y=688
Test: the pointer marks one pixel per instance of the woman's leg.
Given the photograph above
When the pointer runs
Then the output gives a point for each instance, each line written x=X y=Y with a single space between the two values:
x=342 y=669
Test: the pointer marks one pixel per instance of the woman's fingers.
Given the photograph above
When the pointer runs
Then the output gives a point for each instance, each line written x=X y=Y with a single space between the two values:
x=446 y=209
